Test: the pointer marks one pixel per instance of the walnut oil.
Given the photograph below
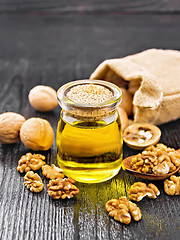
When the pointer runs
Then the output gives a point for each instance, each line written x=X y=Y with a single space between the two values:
x=89 y=136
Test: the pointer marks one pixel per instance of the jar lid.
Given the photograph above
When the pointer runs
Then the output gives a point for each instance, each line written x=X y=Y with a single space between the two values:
x=80 y=100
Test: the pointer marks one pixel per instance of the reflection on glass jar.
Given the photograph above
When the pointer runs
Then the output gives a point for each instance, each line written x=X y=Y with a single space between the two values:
x=89 y=137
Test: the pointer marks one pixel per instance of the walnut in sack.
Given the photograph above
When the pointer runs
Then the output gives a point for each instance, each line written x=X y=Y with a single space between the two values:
x=33 y=182
x=30 y=162
x=124 y=118
x=121 y=210
x=172 y=186
x=139 y=190
x=126 y=102
x=62 y=188
x=52 y=171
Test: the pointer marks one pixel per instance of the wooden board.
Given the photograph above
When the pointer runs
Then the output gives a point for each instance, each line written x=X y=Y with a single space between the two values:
x=52 y=50
x=86 y=6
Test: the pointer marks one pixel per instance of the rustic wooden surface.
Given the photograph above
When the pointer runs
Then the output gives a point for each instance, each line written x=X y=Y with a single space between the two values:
x=65 y=6
x=51 y=43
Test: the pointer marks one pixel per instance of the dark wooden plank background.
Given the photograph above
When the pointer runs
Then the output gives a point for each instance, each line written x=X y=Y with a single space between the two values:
x=51 y=43
x=161 y=6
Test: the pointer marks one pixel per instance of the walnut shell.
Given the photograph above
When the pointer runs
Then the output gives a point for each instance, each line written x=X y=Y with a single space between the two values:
x=37 y=134
x=10 y=125
x=43 y=98
x=141 y=135
x=126 y=103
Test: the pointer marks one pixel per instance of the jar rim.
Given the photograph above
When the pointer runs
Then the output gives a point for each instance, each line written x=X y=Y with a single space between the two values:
x=62 y=91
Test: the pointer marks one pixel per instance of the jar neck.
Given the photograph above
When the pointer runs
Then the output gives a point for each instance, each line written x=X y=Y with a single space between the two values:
x=89 y=111
x=70 y=118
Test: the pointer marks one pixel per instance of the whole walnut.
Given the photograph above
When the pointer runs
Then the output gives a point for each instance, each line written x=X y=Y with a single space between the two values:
x=43 y=98
x=37 y=134
x=10 y=125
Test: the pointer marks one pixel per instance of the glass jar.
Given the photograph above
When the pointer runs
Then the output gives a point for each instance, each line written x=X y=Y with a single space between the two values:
x=89 y=136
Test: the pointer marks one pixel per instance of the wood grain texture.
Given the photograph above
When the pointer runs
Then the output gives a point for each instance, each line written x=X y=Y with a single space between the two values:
x=53 y=50
x=86 y=6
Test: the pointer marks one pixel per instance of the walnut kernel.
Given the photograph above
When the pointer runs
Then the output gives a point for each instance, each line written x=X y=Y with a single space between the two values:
x=30 y=162
x=121 y=210
x=162 y=168
x=52 y=171
x=139 y=190
x=62 y=188
x=172 y=186
x=33 y=182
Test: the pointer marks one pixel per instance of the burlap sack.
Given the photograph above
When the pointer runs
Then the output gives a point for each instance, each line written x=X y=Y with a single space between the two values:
x=158 y=98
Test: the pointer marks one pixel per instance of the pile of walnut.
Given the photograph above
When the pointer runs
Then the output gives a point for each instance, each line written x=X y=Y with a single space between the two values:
x=58 y=187
x=158 y=160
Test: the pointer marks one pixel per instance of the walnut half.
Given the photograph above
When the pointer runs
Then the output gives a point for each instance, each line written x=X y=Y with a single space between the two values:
x=62 y=188
x=160 y=169
x=121 y=210
x=33 y=182
x=172 y=186
x=52 y=171
x=30 y=162
x=139 y=190
x=141 y=135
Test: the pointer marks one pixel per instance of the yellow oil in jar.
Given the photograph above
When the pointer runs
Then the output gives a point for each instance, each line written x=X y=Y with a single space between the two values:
x=89 y=151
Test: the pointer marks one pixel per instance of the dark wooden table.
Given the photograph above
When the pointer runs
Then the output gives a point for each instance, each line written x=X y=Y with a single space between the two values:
x=51 y=43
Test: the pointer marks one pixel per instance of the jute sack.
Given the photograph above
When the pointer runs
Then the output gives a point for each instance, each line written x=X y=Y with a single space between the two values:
x=158 y=98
